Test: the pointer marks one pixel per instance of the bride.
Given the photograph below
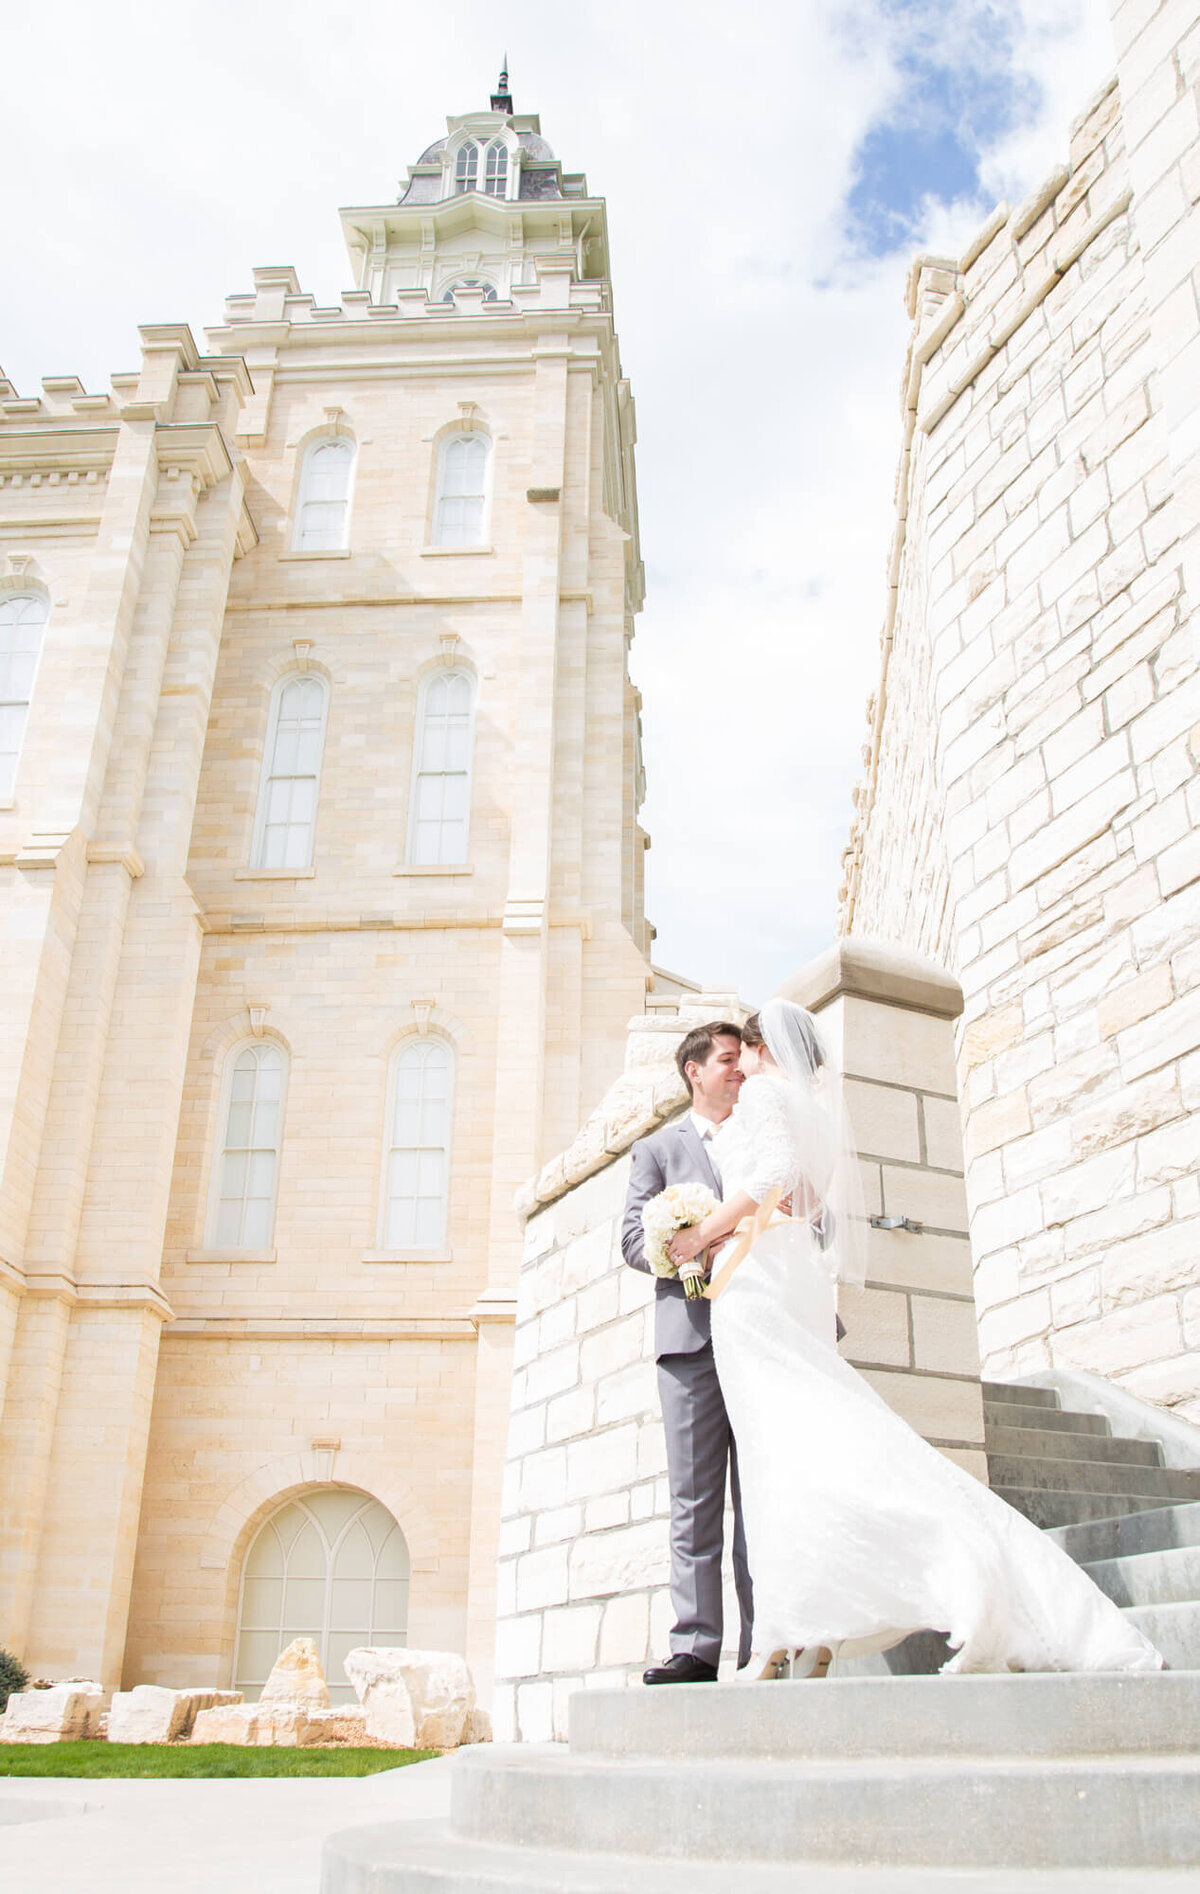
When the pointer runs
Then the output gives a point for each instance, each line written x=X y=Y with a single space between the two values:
x=858 y=1531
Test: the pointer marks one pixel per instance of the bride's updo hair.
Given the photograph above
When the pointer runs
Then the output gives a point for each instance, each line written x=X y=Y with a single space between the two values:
x=752 y=1035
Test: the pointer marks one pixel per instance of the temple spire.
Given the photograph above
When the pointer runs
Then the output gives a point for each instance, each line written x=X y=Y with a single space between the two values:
x=502 y=97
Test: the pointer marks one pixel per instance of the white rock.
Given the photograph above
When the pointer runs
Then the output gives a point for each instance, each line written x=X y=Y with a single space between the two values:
x=415 y=1699
x=297 y=1677
x=150 y=1713
x=62 y=1714
x=478 y=1727
x=256 y=1726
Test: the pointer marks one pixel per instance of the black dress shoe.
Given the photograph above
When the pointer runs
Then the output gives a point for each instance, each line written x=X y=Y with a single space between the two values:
x=682 y=1668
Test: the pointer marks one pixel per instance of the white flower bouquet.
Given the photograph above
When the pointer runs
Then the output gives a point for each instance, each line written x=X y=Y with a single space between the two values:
x=677 y=1207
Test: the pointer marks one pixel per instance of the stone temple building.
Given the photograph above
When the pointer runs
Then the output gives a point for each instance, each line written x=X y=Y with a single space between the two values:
x=321 y=895
x=1030 y=811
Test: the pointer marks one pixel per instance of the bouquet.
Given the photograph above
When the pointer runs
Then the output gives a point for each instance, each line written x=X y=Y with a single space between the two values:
x=677 y=1207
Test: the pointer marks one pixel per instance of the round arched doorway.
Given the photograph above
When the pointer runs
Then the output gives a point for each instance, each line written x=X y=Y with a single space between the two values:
x=331 y=1565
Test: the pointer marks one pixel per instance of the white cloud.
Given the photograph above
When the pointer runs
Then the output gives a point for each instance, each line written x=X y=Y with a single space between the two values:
x=172 y=152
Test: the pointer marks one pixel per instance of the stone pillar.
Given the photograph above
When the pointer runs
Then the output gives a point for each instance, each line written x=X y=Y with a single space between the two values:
x=524 y=954
x=582 y=1572
x=888 y=1017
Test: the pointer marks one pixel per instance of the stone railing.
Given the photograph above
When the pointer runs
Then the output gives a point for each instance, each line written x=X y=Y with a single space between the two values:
x=582 y=1578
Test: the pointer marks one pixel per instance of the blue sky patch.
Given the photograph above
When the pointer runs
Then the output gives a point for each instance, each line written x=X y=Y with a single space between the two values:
x=958 y=92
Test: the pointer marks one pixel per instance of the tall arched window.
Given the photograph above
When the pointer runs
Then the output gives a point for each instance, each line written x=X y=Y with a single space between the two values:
x=22 y=618
x=243 y=1199
x=440 y=820
x=418 y=1154
x=287 y=799
x=332 y=1566
x=466 y=169
x=495 y=181
x=324 y=501
x=460 y=509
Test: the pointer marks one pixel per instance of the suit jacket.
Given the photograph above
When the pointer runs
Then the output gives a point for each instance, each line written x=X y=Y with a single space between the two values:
x=675 y=1155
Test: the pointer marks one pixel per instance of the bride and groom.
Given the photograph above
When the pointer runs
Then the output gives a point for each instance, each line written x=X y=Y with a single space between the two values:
x=850 y=1530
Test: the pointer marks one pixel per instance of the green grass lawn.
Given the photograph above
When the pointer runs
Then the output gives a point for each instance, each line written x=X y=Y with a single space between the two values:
x=199 y=1759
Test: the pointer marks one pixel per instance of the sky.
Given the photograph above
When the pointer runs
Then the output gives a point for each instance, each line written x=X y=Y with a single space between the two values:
x=770 y=172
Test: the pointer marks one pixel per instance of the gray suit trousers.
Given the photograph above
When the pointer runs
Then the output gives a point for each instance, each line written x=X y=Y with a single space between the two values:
x=699 y=1446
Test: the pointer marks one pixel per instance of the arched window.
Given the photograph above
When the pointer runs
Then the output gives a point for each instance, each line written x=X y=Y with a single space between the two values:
x=332 y=1566
x=22 y=618
x=287 y=798
x=324 y=502
x=495 y=181
x=243 y=1199
x=470 y=282
x=461 y=506
x=466 y=169
x=417 y=1172
x=440 y=818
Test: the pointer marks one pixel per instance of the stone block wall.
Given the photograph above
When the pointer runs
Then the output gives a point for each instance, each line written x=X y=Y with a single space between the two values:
x=582 y=1581
x=1032 y=798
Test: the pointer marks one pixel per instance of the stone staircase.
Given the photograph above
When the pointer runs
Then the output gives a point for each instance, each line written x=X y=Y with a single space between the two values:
x=911 y=1785
x=881 y=1780
x=1131 y=1522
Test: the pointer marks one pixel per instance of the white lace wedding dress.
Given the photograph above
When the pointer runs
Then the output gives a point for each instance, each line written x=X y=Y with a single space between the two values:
x=858 y=1531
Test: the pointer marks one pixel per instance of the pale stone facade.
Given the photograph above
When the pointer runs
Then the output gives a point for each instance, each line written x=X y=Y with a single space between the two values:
x=582 y=1598
x=185 y=574
x=1033 y=795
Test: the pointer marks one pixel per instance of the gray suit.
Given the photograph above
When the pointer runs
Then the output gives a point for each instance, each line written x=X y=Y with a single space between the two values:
x=699 y=1442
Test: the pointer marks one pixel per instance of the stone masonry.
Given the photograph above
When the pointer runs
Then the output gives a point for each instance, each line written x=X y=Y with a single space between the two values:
x=582 y=1598
x=1030 y=811
x=164 y=1395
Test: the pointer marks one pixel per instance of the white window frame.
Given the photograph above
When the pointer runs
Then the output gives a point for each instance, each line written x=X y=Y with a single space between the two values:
x=267 y=774
x=419 y=1045
x=304 y=498
x=26 y=597
x=332 y=1546
x=446 y=447
x=221 y=1145
x=428 y=685
x=492 y=174
x=465 y=176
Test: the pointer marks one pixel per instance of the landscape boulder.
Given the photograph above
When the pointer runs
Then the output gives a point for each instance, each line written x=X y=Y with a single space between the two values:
x=297 y=1677
x=413 y=1699
x=61 y=1713
x=150 y=1713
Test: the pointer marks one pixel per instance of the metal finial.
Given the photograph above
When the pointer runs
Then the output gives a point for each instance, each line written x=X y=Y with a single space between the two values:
x=502 y=98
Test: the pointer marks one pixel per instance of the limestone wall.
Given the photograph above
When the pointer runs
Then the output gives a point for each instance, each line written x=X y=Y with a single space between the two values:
x=583 y=1566
x=1032 y=795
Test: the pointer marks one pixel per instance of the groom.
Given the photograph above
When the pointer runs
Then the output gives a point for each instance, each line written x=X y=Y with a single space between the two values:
x=699 y=1443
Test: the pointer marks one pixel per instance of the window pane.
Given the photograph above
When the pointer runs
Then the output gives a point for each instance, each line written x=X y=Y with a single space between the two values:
x=262 y=1600
x=324 y=496
x=21 y=620
x=289 y=791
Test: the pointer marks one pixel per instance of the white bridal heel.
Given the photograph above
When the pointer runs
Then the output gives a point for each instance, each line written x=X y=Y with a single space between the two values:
x=815 y=1660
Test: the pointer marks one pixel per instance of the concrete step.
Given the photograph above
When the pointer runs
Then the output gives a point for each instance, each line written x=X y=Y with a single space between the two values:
x=1038 y=1443
x=1021 y=1397
x=1151 y=1529
x=1150 y=1578
x=1094 y=1476
x=1011 y=1414
x=844 y=1719
x=1049 y=1508
x=432 y=1858
x=1133 y=1812
x=1172 y=1629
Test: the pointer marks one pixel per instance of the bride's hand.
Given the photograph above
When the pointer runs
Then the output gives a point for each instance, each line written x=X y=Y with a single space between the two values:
x=686 y=1245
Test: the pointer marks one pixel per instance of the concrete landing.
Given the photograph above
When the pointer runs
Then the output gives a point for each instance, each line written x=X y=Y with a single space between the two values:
x=217 y=1837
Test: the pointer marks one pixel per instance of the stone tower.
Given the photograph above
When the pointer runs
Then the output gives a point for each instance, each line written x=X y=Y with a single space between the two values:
x=322 y=897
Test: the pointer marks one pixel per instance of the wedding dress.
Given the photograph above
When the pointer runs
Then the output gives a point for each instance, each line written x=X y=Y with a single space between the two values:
x=859 y=1532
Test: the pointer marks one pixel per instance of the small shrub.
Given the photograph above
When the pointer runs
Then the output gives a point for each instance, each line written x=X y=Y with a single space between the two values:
x=13 y=1676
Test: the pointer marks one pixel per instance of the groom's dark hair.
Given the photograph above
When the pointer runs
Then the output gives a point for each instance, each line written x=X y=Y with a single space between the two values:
x=695 y=1046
